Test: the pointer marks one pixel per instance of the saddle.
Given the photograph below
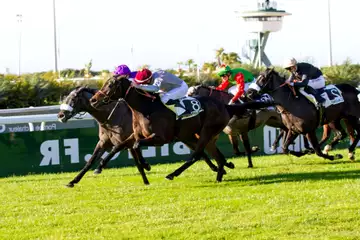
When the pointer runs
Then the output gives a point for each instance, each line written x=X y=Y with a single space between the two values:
x=330 y=93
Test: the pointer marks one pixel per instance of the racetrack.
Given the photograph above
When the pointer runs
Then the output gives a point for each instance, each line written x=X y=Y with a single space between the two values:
x=283 y=197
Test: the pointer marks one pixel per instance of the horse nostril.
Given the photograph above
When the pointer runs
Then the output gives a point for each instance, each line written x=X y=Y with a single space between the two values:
x=93 y=100
x=61 y=115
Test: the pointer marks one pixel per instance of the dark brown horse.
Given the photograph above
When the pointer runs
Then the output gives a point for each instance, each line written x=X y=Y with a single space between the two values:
x=114 y=127
x=272 y=118
x=242 y=126
x=300 y=115
x=154 y=124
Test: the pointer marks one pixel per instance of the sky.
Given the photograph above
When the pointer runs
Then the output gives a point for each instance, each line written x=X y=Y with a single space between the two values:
x=164 y=32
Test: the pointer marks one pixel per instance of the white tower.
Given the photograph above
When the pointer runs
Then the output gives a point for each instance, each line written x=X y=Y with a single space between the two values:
x=261 y=22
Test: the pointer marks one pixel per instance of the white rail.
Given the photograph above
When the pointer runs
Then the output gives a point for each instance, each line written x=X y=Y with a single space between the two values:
x=37 y=118
x=30 y=111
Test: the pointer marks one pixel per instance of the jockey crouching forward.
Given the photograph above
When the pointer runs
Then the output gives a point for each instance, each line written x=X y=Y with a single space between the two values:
x=306 y=76
x=238 y=77
x=171 y=88
x=124 y=70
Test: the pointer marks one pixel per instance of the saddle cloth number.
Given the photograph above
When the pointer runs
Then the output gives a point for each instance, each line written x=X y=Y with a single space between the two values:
x=332 y=95
x=191 y=104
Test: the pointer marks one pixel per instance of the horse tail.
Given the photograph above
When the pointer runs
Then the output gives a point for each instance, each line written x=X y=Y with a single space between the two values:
x=240 y=109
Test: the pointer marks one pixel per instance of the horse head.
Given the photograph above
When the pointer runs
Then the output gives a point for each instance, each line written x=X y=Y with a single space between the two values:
x=114 y=88
x=76 y=102
x=267 y=82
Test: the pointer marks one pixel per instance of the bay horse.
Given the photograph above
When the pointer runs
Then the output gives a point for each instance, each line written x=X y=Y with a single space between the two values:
x=154 y=124
x=300 y=116
x=114 y=127
x=272 y=119
x=242 y=126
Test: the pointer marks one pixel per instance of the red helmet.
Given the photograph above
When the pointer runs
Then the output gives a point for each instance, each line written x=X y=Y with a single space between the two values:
x=143 y=76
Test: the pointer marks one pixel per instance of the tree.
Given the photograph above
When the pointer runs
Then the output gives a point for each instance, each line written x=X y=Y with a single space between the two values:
x=219 y=52
x=209 y=67
x=189 y=63
x=180 y=65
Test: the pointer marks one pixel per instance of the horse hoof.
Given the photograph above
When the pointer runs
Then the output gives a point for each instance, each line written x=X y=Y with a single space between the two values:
x=97 y=171
x=338 y=156
x=273 y=148
x=327 y=148
x=70 y=185
x=250 y=166
x=146 y=183
x=351 y=156
x=230 y=165
x=147 y=167
x=169 y=177
x=224 y=172
x=324 y=152
x=255 y=148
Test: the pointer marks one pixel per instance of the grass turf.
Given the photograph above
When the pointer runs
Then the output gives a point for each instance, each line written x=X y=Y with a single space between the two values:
x=282 y=197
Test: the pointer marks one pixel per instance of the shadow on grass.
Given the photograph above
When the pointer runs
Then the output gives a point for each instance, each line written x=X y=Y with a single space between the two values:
x=297 y=177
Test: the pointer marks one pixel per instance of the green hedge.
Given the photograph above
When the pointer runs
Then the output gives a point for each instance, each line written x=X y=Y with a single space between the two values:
x=40 y=89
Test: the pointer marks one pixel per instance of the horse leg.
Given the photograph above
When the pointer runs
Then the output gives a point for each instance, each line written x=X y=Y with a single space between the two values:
x=325 y=136
x=308 y=149
x=140 y=166
x=235 y=145
x=245 y=139
x=203 y=142
x=354 y=124
x=277 y=140
x=106 y=145
x=314 y=142
x=98 y=151
x=143 y=162
x=192 y=145
x=340 y=134
x=291 y=136
x=350 y=130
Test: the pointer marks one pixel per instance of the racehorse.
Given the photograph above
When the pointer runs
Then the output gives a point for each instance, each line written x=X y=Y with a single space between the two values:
x=114 y=127
x=154 y=124
x=300 y=115
x=245 y=124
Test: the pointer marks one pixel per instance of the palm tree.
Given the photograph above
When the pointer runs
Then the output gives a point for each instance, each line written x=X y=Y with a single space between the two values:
x=209 y=67
x=190 y=62
x=179 y=65
x=233 y=57
x=219 y=52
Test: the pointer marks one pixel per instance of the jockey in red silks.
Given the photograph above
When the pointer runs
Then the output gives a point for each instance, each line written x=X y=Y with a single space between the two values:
x=238 y=77
x=170 y=87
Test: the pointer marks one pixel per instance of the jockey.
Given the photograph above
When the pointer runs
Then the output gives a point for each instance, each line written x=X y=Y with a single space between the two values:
x=124 y=70
x=307 y=76
x=170 y=87
x=238 y=76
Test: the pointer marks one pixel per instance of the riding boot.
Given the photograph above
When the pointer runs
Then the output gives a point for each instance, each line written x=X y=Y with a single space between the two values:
x=315 y=93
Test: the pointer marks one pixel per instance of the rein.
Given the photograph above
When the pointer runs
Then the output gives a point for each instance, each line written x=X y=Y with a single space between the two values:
x=144 y=93
x=291 y=88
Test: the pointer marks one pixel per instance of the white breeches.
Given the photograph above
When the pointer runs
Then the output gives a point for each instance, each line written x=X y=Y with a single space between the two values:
x=317 y=83
x=233 y=90
x=175 y=93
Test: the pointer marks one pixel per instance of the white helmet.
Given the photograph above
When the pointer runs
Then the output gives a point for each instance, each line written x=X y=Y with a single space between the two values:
x=290 y=63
